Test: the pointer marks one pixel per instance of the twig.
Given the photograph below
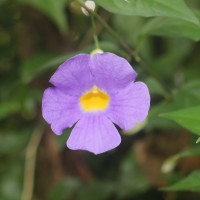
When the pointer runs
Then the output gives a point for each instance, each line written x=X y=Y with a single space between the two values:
x=94 y=32
x=30 y=161
x=88 y=37
x=112 y=32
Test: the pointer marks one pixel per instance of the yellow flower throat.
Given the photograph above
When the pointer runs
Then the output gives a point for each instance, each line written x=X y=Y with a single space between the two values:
x=94 y=100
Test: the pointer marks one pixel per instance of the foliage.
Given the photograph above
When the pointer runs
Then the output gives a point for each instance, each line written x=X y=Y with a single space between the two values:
x=188 y=118
x=160 y=38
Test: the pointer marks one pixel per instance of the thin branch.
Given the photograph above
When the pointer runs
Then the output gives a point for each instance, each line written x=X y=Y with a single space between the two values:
x=30 y=162
x=112 y=32
x=94 y=31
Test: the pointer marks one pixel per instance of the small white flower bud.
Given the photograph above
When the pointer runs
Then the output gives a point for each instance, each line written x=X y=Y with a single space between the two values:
x=90 y=5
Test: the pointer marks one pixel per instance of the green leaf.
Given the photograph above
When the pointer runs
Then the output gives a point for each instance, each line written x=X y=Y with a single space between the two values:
x=162 y=26
x=55 y=10
x=170 y=8
x=190 y=183
x=188 y=118
x=186 y=97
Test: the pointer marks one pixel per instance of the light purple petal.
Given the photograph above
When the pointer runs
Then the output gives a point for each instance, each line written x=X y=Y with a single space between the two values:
x=94 y=133
x=74 y=75
x=60 y=110
x=111 y=72
x=129 y=106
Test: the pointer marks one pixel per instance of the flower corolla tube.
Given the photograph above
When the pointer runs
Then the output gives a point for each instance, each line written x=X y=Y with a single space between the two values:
x=94 y=92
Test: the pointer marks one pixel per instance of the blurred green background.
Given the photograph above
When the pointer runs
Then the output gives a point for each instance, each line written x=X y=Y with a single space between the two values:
x=159 y=159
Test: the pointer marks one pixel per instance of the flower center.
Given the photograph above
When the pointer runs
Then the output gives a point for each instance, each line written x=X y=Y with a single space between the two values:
x=95 y=99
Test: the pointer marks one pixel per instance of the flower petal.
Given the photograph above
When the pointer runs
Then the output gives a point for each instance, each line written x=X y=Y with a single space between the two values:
x=59 y=109
x=111 y=72
x=74 y=75
x=94 y=133
x=129 y=106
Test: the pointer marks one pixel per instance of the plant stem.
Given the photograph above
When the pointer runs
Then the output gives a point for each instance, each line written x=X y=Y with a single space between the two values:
x=30 y=161
x=119 y=39
x=112 y=32
x=94 y=31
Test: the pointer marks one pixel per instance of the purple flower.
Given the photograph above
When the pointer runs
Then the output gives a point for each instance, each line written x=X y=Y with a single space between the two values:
x=95 y=91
